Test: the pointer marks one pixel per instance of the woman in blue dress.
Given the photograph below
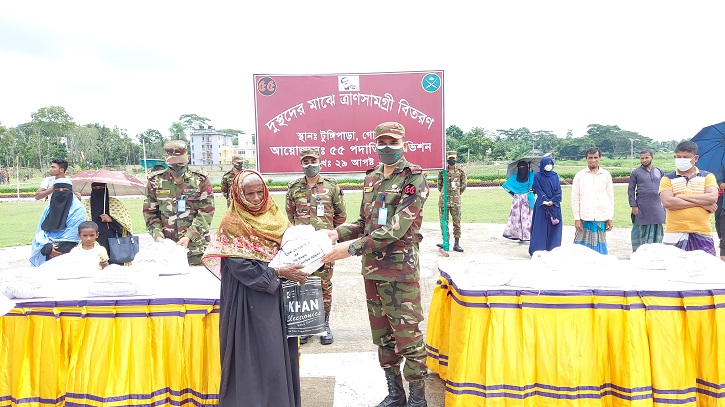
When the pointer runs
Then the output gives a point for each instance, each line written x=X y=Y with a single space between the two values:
x=546 y=224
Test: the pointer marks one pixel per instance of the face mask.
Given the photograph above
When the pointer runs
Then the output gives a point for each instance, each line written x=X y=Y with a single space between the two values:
x=548 y=167
x=239 y=166
x=683 y=164
x=451 y=162
x=390 y=155
x=311 y=170
x=178 y=170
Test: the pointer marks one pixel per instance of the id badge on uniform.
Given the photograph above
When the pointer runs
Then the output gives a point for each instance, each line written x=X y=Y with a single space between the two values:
x=383 y=216
x=181 y=205
x=320 y=207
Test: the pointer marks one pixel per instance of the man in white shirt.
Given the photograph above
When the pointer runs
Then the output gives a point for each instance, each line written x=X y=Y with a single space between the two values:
x=57 y=170
x=592 y=201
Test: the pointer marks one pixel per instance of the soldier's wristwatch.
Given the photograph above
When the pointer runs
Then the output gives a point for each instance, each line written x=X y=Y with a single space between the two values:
x=351 y=250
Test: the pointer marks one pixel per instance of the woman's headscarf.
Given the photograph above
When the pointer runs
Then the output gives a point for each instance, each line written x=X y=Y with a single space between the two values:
x=247 y=231
x=516 y=184
x=543 y=163
x=99 y=201
x=60 y=204
x=522 y=171
x=73 y=216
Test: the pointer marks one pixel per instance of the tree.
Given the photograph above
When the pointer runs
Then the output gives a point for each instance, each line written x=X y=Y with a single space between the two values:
x=545 y=141
x=573 y=148
x=154 y=142
x=517 y=143
x=51 y=124
x=82 y=145
x=475 y=142
x=191 y=120
x=178 y=131
x=7 y=147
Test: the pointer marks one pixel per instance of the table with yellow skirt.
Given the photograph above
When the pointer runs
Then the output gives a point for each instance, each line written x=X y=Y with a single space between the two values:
x=577 y=348
x=110 y=352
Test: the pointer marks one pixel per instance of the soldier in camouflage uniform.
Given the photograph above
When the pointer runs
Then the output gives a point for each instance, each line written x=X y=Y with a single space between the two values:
x=387 y=236
x=179 y=203
x=237 y=165
x=456 y=185
x=317 y=201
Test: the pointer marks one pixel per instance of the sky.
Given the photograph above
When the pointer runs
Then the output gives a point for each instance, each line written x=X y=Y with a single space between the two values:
x=653 y=67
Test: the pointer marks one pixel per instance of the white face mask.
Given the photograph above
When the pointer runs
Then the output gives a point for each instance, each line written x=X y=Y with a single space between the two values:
x=683 y=164
x=548 y=167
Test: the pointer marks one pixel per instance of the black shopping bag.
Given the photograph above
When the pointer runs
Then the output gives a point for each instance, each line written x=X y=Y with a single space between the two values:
x=304 y=307
x=122 y=249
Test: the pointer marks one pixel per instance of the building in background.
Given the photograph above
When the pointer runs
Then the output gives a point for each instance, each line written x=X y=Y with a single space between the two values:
x=207 y=145
x=245 y=148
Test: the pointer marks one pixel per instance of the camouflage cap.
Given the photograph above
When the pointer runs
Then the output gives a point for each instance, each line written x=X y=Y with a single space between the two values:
x=176 y=152
x=237 y=157
x=310 y=152
x=452 y=154
x=392 y=129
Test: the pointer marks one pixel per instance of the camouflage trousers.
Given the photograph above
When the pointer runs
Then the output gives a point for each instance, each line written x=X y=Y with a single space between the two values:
x=395 y=311
x=455 y=213
x=325 y=274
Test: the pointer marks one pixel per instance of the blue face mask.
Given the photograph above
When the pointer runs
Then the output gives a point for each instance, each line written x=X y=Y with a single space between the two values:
x=390 y=155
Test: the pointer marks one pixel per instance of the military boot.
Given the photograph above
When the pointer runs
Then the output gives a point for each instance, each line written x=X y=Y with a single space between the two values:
x=304 y=339
x=457 y=247
x=328 y=338
x=396 y=392
x=417 y=394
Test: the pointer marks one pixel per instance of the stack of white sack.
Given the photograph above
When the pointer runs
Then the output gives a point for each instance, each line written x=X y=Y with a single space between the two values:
x=573 y=266
x=667 y=262
x=121 y=281
x=481 y=271
x=23 y=283
x=69 y=266
x=162 y=258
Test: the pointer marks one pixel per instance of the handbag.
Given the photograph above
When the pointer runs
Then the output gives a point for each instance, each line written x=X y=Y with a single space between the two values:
x=554 y=221
x=122 y=249
x=303 y=307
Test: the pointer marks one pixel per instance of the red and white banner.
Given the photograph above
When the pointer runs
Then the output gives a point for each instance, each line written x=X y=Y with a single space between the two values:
x=339 y=113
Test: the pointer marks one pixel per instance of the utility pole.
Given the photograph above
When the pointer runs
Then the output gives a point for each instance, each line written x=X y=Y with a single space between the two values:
x=631 y=153
x=145 y=163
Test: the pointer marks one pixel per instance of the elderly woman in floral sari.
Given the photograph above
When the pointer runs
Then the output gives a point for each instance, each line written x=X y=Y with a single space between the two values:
x=259 y=363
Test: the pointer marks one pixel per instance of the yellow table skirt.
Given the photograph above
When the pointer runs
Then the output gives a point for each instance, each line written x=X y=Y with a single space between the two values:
x=577 y=348
x=140 y=352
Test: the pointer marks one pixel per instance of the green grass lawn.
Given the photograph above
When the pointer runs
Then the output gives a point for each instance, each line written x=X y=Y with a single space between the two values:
x=19 y=220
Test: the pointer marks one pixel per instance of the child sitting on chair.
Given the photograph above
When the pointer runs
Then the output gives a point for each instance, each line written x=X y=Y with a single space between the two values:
x=88 y=232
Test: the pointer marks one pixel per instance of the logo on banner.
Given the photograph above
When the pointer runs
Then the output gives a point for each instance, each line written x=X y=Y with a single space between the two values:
x=348 y=83
x=431 y=83
x=266 y=86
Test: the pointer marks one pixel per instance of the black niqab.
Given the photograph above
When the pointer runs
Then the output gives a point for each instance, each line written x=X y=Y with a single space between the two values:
x=99 y=202
x=522 y=171
x=60 y=203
